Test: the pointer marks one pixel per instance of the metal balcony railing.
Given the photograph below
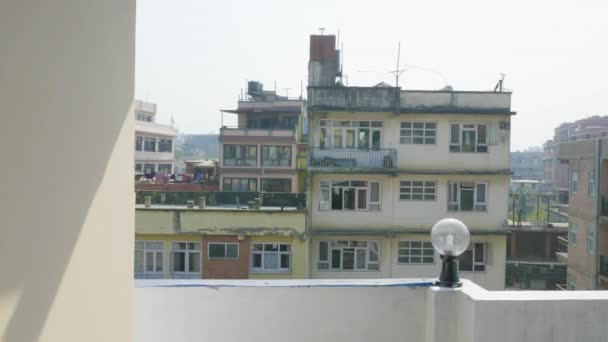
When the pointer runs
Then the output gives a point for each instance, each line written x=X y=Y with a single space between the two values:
x=352 y=158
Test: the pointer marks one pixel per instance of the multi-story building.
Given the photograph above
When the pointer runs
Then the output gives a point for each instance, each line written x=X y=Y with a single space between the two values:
x=587 y=253
x=385 y=164
x=527 y=165
x=260 y=153
x=556 y=173
x=219 y=242
x=154 y=147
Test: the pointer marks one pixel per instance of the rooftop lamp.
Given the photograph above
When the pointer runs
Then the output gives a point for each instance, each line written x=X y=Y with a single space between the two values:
x=450 y=238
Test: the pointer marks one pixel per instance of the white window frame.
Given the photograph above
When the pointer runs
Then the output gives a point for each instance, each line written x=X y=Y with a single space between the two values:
x=279 y=162
x=338 y=245
x=572 y=235
x=480 y=147
x=326 y=190
x=225 y=250
x=405 y=250
x=331 y=126
x=574 y=181
x=454 y=201
x=263 y=253
x=143 y=146
x=474 y=263
x=425 y=189
x=187 y=274
x=144 y=247
x=590 y=240
x=406 y=139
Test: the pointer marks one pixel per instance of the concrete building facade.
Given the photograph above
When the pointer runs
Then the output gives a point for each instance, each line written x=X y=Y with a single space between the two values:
x=386 y=164
x=259 y=155
x=527 y=165
x=154 y=142
x=587 y=254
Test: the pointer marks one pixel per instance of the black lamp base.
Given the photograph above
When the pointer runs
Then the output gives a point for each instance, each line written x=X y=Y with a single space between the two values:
x=449 y=272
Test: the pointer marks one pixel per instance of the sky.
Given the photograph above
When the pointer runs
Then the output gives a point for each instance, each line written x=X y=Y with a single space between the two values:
x=193 y=57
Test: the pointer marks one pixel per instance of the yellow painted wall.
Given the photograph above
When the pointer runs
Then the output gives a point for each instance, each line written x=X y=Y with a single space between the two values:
x=299 y=255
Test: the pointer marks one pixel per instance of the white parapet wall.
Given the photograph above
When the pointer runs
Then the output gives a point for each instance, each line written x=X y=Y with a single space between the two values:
x=361 y=310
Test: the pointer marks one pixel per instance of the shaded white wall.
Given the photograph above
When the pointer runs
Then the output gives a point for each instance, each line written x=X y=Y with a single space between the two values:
x=66 y=251
x=227 y=311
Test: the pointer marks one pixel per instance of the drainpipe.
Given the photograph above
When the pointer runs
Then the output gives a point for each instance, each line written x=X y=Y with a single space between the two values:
x=596 y=175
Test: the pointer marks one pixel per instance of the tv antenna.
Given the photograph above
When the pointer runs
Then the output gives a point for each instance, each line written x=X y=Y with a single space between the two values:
x=286 y=91
x=321 y=29
x=397 y=72
x=500 y=85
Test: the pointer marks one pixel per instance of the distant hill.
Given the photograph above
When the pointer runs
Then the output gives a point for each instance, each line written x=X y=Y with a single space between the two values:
x=197 y=146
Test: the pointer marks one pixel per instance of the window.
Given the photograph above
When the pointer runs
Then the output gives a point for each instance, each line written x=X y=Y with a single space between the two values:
x=349 y=195
x=468 y=137
x=591 y=190
x=276 y=184
x=571 y=282
x=418 y=132
x=416 y=252
x=362 y=135
x=150 y=144
x=138 y=167
x=223 y=250
x=240 y=155
x=474 y=258
x=573 y=229
x=149 y=256
x=164 y=168
x=144 y=117
x=240 y=184
x=186 y=260
x=149 y=169
x=349 y=256
x=268 y=257
x=417 y=190
x=590 y=240
x=574 y=181
x=467 y=196
x=138 y=143
x=276 y=156
x=165 y=145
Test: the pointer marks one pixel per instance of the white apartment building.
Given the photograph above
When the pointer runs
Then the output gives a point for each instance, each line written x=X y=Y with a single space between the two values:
x=386 y=164
x=154 y=142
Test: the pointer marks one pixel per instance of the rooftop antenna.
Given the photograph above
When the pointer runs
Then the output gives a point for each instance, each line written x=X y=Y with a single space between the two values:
x=321 y=29
x=397 y=72
x=286 y=91
x=500 y=85
x=301 y=88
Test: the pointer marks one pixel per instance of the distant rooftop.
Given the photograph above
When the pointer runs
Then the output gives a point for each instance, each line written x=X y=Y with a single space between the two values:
x=242 y=207
x=154 y=128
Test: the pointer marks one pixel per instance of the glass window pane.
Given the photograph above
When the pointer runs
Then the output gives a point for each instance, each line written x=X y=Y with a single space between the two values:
x=465 y=261
x=466 y=200
x=232 y=251
x=348 y=263
x=139 y=261
x=428 y=260
x=285 y=261
x=454 y=133
x=361 y=258
x=284 y=248
x=361 y=198
x=149 y=261
x=468 y=141
x=375 y=192
x=159 y=262
x=336 y=198
x=323 y=251
x=194 y=262
x=179 y=262
x=349 y=198
x=481 y=193
x=336 y=256
x=376 y=140
x=479 y=252
x=271 y=261
x=482 y=134
x=416 y=244
x=217 y=250
x=373 y=267
x=373 y=251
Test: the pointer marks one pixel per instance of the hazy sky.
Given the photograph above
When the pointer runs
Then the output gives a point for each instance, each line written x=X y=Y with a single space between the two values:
x=194 y=56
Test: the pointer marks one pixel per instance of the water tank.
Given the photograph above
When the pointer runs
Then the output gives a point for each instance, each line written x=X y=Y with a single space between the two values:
x=254 y=87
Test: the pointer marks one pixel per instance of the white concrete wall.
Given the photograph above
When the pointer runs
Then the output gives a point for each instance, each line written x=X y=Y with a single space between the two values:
x=67 y=213
x=438 y=156
x=397 y=213
x=361 y=311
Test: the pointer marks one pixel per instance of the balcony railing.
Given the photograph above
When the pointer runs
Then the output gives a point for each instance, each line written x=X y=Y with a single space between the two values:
x=604 y=265
x=257 y=132
x=604 y=206
x=382 y=159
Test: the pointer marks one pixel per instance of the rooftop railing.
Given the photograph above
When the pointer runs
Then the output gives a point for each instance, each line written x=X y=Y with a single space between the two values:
x=269 y=199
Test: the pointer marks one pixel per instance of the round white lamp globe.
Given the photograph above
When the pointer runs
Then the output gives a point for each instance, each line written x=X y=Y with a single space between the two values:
x=450 y=237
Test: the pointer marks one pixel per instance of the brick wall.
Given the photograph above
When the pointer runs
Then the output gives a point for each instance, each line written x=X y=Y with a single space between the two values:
x=226 y=268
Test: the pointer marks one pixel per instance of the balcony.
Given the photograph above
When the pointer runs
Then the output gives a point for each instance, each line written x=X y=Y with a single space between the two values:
x=408 y=310
x=348 y=160
x=261 y=134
